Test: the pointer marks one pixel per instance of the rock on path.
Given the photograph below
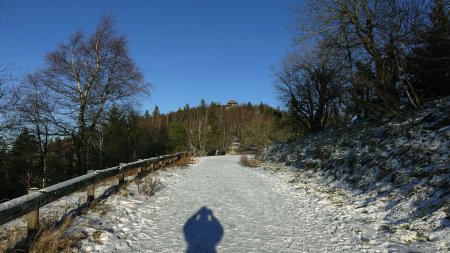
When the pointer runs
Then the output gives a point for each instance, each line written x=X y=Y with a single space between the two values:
x=218 y=200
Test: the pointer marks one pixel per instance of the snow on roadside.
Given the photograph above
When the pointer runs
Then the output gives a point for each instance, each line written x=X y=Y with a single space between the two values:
x=259 y=211
x=15 y=230
x=395 y=170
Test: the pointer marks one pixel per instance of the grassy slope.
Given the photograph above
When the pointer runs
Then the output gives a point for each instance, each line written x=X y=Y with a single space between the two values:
x=399 y=167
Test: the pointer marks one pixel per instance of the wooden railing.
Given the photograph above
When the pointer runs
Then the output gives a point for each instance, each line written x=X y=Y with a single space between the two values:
x=30 y=204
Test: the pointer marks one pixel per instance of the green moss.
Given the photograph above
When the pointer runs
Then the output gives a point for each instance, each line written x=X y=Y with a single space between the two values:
x=387 y=228
x=352 y=159
x=405 y=226
x=322 y=153
x=295 y=180
x=421 y=237
x=310 y=165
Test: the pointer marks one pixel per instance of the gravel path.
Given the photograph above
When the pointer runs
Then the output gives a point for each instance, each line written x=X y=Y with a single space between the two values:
x=218 y=200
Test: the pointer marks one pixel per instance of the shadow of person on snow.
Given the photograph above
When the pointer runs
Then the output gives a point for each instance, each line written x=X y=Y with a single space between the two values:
x=202 y=232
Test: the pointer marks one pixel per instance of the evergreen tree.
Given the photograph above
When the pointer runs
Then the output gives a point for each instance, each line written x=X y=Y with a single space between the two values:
x=133 y=149
x=22 y=165
x=115 y=138
x=4 y=182
x=60 y=158
x=156 y=111
x=429 y=64
x=147 y=114
x=202 y=104
x=177 y=136
x=214 y=140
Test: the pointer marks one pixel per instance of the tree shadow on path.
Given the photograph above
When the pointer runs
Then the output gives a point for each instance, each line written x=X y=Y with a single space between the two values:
x=202 y=232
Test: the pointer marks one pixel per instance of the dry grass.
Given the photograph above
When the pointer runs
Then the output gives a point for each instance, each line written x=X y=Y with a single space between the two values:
x=184 y=161
x=249 y=161
x=123 y=190
x=149 y=185
x=51 y=237
x=98 y=207
x=10 y=236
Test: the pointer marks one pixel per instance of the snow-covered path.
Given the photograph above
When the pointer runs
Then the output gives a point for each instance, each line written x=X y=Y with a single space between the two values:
x=252 y=211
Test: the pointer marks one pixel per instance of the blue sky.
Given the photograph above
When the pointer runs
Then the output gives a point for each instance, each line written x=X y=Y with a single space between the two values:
x=187 y=49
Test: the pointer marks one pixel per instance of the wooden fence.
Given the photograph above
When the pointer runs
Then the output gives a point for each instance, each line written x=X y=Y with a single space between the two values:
x=30 y=204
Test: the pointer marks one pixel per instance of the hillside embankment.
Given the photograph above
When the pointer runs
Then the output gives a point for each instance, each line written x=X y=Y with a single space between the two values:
x=396 y=170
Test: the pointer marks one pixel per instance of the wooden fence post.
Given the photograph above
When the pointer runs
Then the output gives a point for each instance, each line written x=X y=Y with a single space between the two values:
x=121 y=175
x=32 y=219
x=139 y=170
x=90 y=190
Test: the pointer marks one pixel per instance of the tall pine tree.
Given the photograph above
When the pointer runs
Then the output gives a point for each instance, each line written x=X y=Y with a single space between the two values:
x=429 y=63
x=22 y=165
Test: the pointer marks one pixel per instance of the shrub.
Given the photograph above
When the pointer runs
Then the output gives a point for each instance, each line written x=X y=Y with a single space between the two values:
x=184 y=161
x=149 y=185
x=51 y=237
x=249 y=161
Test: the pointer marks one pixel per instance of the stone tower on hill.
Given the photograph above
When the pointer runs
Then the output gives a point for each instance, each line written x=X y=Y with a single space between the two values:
x=232 y=103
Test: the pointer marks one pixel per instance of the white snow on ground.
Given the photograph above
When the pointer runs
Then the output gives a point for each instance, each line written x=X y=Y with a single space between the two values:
x=243 y=209
x=395 y=170
x=49 y=213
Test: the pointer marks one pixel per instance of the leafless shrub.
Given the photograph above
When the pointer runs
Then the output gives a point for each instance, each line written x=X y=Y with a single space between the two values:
x=249 y=161
x=149 y=185
x=99 y=207
x=184 y=161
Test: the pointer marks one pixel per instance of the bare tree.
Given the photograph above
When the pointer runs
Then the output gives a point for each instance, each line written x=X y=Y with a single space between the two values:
x=84 y=76
x=376 y=33
x=35 y=112
x=309 y=86
x=8 y=99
